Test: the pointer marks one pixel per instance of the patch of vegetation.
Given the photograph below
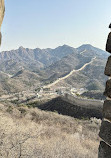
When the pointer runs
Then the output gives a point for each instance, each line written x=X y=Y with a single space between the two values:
x=37 y=89
x=15 y=101
x=34 y=104
x=46 y=89
x=77 y=94
x=9 y=109
x=22 y=110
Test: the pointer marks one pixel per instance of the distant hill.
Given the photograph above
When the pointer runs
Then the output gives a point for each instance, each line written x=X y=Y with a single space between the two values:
x=32 y=59
x=91 y=77
x=32 y=68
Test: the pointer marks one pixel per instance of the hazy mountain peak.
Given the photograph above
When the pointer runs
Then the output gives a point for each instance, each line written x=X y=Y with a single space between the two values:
x=65 y=45
x=85 y=46
x=62 y=51
x=90 y=50
x=48 y=65
x=21 y=48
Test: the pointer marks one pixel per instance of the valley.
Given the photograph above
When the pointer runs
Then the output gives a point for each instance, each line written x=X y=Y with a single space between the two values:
x=63 y=68
x=52 y=96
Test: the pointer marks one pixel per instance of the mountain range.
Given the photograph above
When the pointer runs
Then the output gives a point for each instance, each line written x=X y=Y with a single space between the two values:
x=26 y=68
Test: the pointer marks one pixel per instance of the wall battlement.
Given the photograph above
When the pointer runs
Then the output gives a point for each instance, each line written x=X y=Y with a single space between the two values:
x=105 y=130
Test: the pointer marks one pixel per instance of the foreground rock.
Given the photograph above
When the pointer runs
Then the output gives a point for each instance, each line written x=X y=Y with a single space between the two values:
x=107 y=109
x=104 y=150
x=2 y=11
x=105 y=130
x=108 y=67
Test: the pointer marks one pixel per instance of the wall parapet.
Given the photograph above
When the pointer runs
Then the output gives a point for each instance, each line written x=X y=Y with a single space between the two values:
x=105 y=130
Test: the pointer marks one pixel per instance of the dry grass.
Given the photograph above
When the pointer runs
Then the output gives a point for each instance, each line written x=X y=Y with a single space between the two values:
x=32 y=133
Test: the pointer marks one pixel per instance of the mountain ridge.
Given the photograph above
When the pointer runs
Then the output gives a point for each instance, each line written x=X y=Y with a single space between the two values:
x=37 y=67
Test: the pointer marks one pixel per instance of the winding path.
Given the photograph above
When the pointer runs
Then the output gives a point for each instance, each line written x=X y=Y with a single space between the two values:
x=63 y=78
x=6 y=74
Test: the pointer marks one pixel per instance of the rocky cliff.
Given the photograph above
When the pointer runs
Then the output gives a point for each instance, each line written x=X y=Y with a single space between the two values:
x=105 y=131
x=2 y=11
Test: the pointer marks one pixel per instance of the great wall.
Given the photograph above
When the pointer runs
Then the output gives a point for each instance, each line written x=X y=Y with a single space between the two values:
x=105 y=131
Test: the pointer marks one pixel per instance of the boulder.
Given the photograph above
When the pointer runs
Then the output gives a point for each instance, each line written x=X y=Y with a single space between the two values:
x=108 y=89
x=107 y=109
x=108 y=67
x=105 y=132
x=104 y=150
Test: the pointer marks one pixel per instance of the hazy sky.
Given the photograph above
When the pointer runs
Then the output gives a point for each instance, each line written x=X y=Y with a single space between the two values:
x=50 y=23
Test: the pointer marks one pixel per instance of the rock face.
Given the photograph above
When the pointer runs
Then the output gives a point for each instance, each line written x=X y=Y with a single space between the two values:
x=108 y=67
x=104 y=150
x=2 y=11
x=107 y=109
x=108 y=89
x=105 y=130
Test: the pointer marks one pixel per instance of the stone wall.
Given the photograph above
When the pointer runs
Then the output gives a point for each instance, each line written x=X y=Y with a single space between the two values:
x=74 y=107
x=105 y=130
x=2 y=11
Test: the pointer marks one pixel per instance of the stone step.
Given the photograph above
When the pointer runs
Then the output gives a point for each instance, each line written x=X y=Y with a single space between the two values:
x=107 y=109
x=105 y=131
x=104 y=150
